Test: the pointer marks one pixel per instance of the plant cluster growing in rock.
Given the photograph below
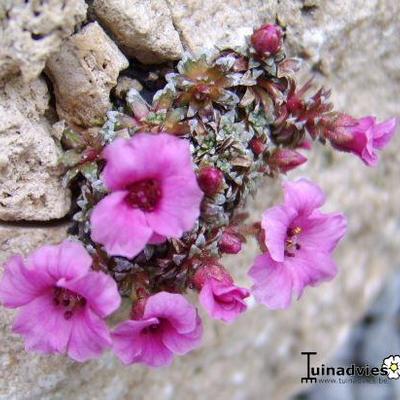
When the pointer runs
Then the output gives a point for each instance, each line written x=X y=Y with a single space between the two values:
x=161 y=189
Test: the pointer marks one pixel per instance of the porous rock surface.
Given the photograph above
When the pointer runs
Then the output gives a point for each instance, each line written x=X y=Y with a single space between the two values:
x=30 y=31
x=30 y=177
x=83 y=72
x=143 y=29
x=352 y=46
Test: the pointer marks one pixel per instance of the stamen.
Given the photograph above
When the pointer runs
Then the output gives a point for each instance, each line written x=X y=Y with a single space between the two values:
x=151 y=329
x=291 y=245
x=144 y=194
x=68 y=300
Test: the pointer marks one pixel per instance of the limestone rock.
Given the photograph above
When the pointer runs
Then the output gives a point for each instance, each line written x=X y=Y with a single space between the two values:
x=143 y=29
x=20 y=239
x=30 y=182
x=30 y=31
x=83 y=72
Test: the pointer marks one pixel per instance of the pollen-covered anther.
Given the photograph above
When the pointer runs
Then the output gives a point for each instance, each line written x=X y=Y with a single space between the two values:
x=69 y=300
x=144 y=194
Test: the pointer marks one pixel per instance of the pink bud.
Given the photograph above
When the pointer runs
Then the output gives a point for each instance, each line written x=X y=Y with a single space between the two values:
x=305 y=144
x=230 y=243
x=257 y=146
x=267 y=39
x=210 y=180
x=211 y=269
x=286 y=159
x=362 y=137
x=294 y=104
x=138 y=308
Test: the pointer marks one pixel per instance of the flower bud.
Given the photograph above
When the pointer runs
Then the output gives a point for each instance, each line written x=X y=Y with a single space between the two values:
x=230 y=243
x=362 y=137
x=286 y=159
x=257 y=146
x=294 y=104
x=138 y=308
x=211 y=269
x=210 y=180
x=219 y=295
x=267 y=39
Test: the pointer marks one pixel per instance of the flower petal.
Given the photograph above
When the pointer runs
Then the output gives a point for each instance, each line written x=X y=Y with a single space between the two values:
x=275 y=222
x=223 y=302
x=182 y=344
x=272 y=282
x=43 y=326
x=388 y=361
x=179 y=206
x=303 y=195
x=383 y=133
x=322 y=232
x=173 y=307
x=310 y=267
x=20 y=285
x=90 y=336
x=121 y=229
x=67 y=260
x=131 y=345
x=122 y=165
x=161 y=155
x=154 y=352
x=145 y=156
x=127 y=341
x=99 y=290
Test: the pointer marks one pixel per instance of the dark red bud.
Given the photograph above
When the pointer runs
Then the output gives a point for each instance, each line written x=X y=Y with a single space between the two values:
x=230 y=243
x=211 y=269
x=286 y=159
x=305 y=144
x=138 y=308
x=210 y=180
x=267 y=39
x=294 y=104
x=90 y=155
x=257 y=146
x=340 y=131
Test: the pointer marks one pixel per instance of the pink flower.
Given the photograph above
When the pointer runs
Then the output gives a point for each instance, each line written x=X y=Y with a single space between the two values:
x=154 y=193
x=363 y=137
x=220 y=297
x=300 y=240
x=169 y=325
x=62 y=302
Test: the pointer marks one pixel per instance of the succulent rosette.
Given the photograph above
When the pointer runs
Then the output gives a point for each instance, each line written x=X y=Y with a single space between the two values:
x=160 y=190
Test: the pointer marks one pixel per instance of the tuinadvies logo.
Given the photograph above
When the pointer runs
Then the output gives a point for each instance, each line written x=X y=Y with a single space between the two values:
x=390 y=368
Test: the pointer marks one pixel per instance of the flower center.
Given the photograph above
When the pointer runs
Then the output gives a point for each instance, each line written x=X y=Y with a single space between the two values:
x=68 y=300
x=394 y=367
x=291 y=243
x=151 y=329
x=144 y=194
